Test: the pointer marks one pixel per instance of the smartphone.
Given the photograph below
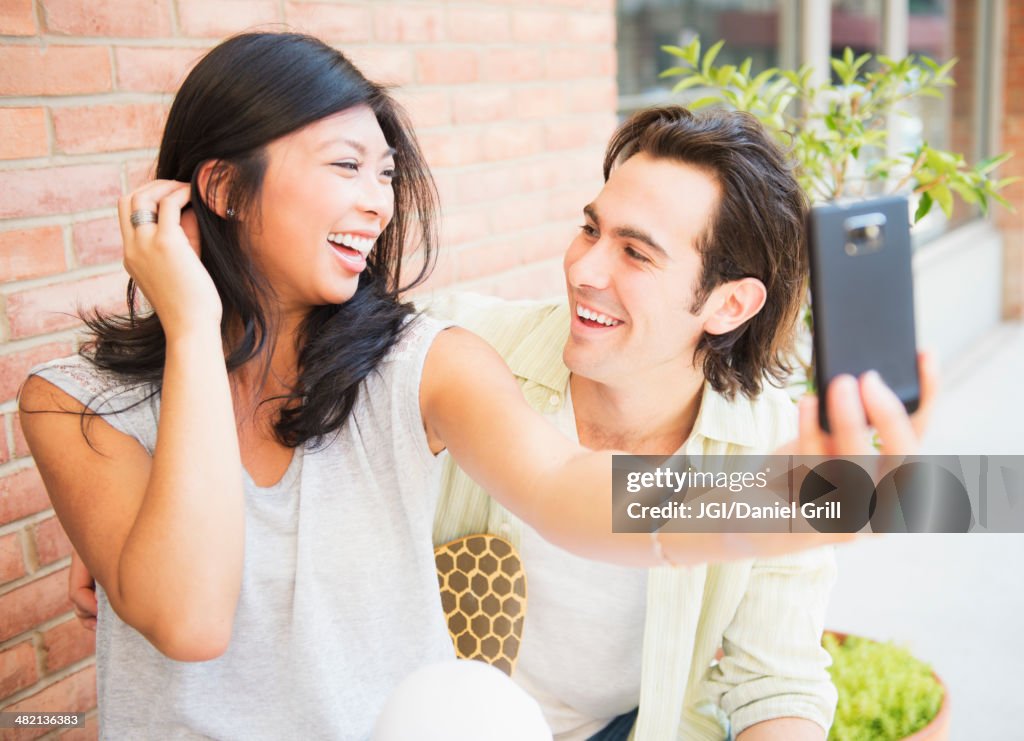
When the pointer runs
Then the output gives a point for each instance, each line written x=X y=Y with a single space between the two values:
x=862 y=295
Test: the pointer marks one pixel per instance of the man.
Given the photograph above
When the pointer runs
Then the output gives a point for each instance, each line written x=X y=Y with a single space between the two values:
x=684 y=288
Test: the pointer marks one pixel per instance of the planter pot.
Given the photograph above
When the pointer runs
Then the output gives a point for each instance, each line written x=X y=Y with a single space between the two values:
x=938 y=728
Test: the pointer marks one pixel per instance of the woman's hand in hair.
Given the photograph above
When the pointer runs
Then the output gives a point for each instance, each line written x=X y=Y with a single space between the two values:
x=164 y=261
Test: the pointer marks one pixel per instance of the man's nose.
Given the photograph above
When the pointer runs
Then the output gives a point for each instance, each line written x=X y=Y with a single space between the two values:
x=593 y=268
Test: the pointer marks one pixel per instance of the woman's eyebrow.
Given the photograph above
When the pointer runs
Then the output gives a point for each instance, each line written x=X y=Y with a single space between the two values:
x=358 y=146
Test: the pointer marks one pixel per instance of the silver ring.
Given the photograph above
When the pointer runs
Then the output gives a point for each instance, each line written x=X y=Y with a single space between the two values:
x=142 y=217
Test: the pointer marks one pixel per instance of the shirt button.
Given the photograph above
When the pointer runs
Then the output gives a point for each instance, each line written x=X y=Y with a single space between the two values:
x=554 y=399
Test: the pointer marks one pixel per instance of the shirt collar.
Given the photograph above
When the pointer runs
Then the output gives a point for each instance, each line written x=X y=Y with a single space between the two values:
x=724 y=420
x=538 y=357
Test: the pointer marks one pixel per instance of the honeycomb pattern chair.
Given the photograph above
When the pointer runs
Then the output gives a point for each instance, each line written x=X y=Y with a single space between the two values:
x=483 y=593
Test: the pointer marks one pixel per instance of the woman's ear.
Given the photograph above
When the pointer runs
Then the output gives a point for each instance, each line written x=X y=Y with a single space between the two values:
x=740 y=300
x=214 y=182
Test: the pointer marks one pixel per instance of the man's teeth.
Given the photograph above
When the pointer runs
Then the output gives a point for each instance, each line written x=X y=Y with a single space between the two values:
x=360 y=244
x=595 y=317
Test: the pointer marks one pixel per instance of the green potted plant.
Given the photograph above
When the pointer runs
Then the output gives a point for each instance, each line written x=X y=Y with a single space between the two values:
x=885 y=693
x=837 y=132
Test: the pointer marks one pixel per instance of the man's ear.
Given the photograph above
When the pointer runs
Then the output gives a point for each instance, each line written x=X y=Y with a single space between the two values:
x=738 y=301
x=214 y=183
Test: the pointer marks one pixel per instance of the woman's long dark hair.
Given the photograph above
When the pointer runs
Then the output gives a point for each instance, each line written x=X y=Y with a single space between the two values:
x=247 y=92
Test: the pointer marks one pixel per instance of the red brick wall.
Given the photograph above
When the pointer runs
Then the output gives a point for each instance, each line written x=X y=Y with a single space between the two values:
x=1012 y=134
x=513 y=101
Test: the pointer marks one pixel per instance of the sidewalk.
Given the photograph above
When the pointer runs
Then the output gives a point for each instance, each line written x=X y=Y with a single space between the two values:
x=955 y=600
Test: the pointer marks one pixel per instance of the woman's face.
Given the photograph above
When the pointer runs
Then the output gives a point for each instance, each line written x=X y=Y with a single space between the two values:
x=326 y=198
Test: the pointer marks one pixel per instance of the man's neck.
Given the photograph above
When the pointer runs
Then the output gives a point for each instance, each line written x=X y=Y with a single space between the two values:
x=645 y=417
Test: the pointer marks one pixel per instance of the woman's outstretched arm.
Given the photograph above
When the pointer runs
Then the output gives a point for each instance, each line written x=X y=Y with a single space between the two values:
x=472 y=405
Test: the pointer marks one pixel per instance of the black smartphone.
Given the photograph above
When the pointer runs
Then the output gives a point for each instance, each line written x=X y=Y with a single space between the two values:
x=862 y=295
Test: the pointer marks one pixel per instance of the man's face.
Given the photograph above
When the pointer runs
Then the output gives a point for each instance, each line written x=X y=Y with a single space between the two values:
x=634 y=268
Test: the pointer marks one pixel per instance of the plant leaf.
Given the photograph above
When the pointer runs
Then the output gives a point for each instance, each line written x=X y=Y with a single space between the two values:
x=709 y=58
x=687 y=83
x=923 y=207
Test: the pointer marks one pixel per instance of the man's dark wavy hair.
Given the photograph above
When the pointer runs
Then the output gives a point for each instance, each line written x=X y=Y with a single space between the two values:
x=757 y=230
x=245 y=93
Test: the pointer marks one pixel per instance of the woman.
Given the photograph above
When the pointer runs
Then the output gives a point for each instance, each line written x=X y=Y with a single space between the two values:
x=255 y=484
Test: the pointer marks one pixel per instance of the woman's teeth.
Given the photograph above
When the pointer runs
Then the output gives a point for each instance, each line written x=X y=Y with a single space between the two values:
x=362 y=245
x=595 y=317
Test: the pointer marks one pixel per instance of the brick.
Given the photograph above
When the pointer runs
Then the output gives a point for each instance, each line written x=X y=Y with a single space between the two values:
x=586 y=28
x=88 y=731
x=139 y=18
x=343 y=23
x=508 y=141
x=388 y=65
x=54 y=70
x=108 y=128
x=23 y=495
x=29 y=253
x=542 y=280
x=464 y=226
x=65 y=644
x=52 y=543
x=541 y=101
x=580 y=61
x=17 y=668
x=483 y=25
x=482 y=104
x=217 y=18
x=427 y=108
x=445 y=182
x=487 y=259
x=24 y=133
x=139 y=172
x=550 y=242
x=567 y=133
x=51 y=308
x=17 y=18
x=538 y=26
x=446 y=66
x=522 y=212
x=403 y=23
x=443 y=271
x=12 y=562
x=97 y=241
x=14 y=367
x=75 y=693
x=568 y=204
x=599 y=96
x=491 y=183
x=513 y=65
x=456 y=146
x=153 y=70
x=24 y=608
x=4 y=457
x=58 y=190
x=561 y=168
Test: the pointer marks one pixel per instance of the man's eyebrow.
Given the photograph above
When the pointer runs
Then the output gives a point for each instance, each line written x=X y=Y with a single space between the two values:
x=628 y=232
x=358 y=146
